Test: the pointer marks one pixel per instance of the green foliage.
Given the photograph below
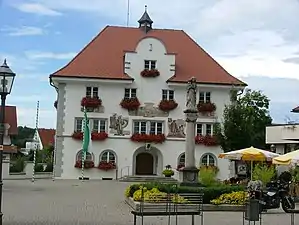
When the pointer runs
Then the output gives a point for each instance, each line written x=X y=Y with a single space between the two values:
x=18 y=165
x=210 y=193
x=263 y=173
x=49 y=167
x=207 y=176
x=24 y=134
x=168 y=172
x=38 y=168
x=244 y=121
x=295 y=174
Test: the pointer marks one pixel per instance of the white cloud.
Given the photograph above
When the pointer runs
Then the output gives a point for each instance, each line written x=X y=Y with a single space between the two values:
x=37 y=8
x=36 y=55
x=23 y=31
x=27 y=117
x=29 y=98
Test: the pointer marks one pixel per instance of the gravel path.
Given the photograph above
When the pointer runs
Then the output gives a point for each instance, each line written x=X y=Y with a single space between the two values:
x=92 y=203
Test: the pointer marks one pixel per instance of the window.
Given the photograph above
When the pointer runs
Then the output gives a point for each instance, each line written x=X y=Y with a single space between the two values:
x=199 y=129
x=89 y=156
x=148 y=127
x=209 y=129
x=156 y=127
x=108 y=156
x=78 y=124
x=204 y=97
x=92 y=92
x=167 y=94
x=98 y=125
x=140 y=127
x=149 y=64
x=130 y=92
x=208 y=160
x=182 y=159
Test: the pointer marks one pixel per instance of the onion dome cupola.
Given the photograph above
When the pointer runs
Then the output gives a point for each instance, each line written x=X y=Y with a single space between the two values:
x=145 y=22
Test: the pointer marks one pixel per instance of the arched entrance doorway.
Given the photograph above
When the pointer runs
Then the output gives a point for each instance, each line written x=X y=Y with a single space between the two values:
x=144 y=164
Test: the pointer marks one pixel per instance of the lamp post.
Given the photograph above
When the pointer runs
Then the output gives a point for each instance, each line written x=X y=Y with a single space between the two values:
x=6 y=81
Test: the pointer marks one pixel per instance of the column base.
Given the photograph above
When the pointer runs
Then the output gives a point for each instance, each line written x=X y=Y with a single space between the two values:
x=190 y=177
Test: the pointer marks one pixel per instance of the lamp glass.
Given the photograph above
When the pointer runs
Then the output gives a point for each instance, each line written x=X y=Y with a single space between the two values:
x=6 y=82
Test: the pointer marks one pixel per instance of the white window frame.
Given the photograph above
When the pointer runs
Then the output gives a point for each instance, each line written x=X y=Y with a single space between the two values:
x=148 y=126
x=94 y=91
x=208 y=155
x=76 y=124
x=89 y=156
x=108 y=154
x=166 y=93
x=204 y=128
x=101 y=123
x=212 y=129
x=156 y=127
x=130 y=93
x=152 y=64
x=181 y=157
x=205 y=94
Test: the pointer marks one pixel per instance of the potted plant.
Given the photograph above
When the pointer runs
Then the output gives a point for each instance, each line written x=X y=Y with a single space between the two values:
x=87 y=164
x=130 y=103
x=91 y=102
x=101 y=136
x=150 y=73
x=104 y=165
x=168 y=172
x=149 y=138
x=167 y=105
x=206 y=107
x=77 y=135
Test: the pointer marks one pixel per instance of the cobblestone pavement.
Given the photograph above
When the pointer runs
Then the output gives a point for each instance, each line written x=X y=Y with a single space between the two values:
x=91 y=203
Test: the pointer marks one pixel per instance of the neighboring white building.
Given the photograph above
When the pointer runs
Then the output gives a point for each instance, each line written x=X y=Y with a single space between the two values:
x=45 y=138
x=109 y=68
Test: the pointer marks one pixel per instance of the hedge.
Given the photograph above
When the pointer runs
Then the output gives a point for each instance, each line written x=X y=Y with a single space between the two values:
x=210 y=193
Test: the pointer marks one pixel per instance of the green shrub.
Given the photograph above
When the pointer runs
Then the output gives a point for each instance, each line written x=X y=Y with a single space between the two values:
x=264 y=173
x=18 y=166
x=210 y=193
x=207 y=176
x=39 y=168
x=49 y=167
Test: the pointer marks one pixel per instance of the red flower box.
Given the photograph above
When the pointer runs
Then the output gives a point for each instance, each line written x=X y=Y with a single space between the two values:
x=206 y=107
x=150 y=73
x=91 y=102
x=77 y=135
x=87 y=164
x=103 y=165
x=167 y=105
x=130 y=103
x=155 y=138
x=207 y=140
x=95 y=136
x=55 y=104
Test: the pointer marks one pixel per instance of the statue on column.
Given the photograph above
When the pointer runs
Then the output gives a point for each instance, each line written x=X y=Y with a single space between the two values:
x=191 y=94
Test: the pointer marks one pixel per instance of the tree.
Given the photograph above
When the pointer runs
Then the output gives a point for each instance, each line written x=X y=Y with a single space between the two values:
x=244 y=121
x=24 y=134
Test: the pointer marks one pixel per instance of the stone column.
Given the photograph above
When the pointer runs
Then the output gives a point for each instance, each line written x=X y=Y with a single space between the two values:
x=190 y=172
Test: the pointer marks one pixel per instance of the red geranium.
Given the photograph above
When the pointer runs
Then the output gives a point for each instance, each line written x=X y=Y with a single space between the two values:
x=77 y=135
x=150 y=73
x=91 y=102
x=155 y=138
x=206 y=107
x=130 y=103
x=199 y=139
x=87 y=164
x=167 y=105
x=103 y=165
x=207 y=140
x=95 y=136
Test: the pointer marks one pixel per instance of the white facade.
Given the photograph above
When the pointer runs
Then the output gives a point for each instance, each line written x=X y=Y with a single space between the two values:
x=149 y=90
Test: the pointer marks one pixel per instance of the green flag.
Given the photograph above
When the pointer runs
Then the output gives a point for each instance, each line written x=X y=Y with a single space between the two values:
x=86 y=133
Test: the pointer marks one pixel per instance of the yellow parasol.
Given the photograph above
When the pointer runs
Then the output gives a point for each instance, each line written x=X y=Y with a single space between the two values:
x=249 y=154
x=287 y=159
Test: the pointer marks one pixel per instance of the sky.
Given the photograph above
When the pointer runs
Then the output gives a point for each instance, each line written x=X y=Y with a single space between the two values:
x=256 y=41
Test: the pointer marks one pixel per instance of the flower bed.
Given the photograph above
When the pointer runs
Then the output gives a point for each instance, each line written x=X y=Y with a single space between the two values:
x=91 y=102
x=130 y=103
x=103 y=165
x=206 y=107
x=87 y=164
x=101 y=136
x=207 y=140
x=149 y=138
x=77 y=135
x=210 y=193
x=150 y=73
x=167 y=105
x=234 y=198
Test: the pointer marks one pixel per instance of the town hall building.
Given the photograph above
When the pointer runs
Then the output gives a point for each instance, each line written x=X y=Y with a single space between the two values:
x=132 y=81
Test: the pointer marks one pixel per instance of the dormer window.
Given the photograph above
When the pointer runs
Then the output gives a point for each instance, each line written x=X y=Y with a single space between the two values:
x=149 y=64
x=92 y=92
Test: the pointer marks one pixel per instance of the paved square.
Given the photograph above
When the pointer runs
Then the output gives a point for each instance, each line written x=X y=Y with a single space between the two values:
x=74 y=202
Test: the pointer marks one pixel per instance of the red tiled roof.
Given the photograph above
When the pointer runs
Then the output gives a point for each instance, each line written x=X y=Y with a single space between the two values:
x=103 y=57
x=296 y=110
x=11 y=119
x=47 y=136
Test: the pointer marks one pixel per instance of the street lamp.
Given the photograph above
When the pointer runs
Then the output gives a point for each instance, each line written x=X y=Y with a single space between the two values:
x=6 y=81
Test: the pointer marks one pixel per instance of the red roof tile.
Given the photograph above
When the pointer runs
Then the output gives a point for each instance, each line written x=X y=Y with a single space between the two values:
x=11 y=119
x=296 y=110
x=103 y=56
x=47 y=136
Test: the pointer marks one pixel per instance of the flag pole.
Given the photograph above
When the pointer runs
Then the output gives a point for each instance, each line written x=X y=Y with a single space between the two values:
x=83 y=150
x=36 y=142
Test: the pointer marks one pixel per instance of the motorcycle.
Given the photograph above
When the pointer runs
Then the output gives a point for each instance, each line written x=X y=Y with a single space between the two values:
x=275 y=194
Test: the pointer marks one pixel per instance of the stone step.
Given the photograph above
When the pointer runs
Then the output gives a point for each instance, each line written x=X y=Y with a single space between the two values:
x=147 y=179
